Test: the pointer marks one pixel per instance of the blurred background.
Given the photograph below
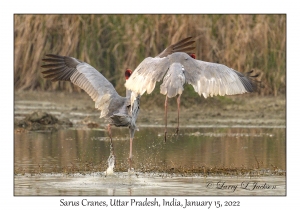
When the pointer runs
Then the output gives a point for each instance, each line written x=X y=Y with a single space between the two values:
x=112 y=43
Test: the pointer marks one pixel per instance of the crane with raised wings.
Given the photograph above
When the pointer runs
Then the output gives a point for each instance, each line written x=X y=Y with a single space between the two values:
x=117 y=110
x=178 y=68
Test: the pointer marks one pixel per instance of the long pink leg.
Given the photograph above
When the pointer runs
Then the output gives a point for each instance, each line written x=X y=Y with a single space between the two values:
x=130 y=153
x=166 y=116
x=178 y=110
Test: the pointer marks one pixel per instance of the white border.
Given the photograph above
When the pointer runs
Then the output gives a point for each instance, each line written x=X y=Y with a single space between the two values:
x=153 y=6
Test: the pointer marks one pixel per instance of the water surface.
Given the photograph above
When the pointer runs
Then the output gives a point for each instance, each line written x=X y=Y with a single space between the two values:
x=199 y=161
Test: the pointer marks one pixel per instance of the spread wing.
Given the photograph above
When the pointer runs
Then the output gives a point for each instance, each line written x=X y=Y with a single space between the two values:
x=63 y=68
x=208 y=79
x=145 y=76
x=151 y=69
x=211 y=79
x=183 y=45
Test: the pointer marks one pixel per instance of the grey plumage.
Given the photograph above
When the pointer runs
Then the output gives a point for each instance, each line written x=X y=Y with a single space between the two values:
x=113 y=107
x=208 y=79
x=173 y=81
x=117 y=110
x=174 y=66
x=178 y=68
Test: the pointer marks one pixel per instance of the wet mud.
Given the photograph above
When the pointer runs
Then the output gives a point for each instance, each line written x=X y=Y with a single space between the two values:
x=38 y=120
x=78 y=108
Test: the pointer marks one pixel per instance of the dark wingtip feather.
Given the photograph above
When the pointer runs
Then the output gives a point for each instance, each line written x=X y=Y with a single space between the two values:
x=186 y=49
x=52 y=60
x=52 y=65
x=59 y=67
x=182 y=45
x=250 y=72
x=252 y=78
x=249 y=80
x=55 y=56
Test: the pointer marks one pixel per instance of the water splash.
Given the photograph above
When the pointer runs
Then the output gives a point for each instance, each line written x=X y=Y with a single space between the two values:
x=130 y=170
x=111 y=165
x=111 y=161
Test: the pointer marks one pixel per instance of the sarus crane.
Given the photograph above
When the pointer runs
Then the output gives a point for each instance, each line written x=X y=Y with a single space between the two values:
x=178 y=68
x=117 y=110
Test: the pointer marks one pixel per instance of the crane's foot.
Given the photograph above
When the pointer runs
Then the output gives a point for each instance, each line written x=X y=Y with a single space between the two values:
x=165 y=136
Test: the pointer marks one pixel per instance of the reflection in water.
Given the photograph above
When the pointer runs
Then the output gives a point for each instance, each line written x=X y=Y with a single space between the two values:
x=197 y=147
x=71 y=162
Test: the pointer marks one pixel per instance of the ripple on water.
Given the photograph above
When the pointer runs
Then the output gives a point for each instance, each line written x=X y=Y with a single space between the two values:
x=123 y=183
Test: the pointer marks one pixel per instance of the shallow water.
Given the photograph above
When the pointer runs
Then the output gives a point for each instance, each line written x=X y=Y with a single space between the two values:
x=123 y=183
x=71 y=162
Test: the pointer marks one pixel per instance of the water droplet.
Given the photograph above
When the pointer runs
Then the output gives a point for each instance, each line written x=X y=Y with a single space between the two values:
x=111 y=165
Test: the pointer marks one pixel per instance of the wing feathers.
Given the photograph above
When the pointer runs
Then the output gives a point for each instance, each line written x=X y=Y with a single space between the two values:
x=186 y=49
x=208 y=79
x=86 y=77
x=152 y=70
x=145 y=76
x=181 y=46
x=183 y=41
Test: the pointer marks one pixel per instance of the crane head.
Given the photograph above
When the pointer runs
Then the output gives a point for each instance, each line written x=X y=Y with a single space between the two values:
x=193 y=55
x=128 y=73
